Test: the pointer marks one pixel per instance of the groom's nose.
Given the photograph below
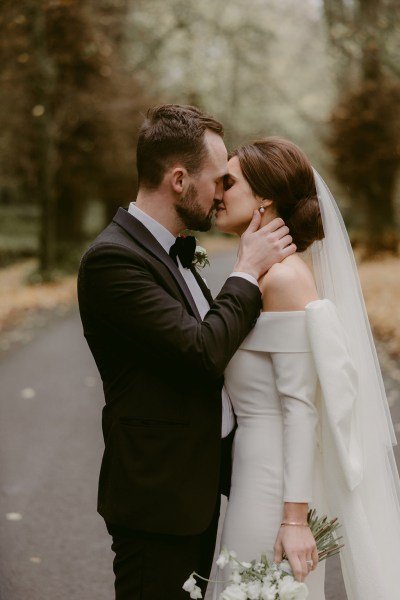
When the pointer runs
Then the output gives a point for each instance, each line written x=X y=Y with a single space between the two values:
x=219 y=191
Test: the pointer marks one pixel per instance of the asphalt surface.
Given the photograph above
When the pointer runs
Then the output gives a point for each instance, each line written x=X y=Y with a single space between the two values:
x=53 y=545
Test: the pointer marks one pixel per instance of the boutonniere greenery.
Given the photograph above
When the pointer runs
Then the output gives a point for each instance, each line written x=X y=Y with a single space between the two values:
x=200 y=259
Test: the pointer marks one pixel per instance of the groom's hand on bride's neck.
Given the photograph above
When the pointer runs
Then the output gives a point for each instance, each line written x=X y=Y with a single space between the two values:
x=262 y=247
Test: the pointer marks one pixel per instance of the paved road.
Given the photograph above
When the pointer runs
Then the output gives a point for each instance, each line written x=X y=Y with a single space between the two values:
x=50 y=449
x=53 y=545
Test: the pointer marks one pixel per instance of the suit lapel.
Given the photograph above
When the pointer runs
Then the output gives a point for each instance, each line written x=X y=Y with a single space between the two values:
x=142 y=236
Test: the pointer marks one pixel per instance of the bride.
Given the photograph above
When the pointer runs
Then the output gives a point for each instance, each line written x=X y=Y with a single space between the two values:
x=314 y=428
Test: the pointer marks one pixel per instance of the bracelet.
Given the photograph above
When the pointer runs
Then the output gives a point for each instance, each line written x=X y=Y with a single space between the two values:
x=296 y=523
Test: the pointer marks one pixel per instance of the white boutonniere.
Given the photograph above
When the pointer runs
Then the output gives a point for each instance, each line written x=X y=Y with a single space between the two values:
x=200 y=259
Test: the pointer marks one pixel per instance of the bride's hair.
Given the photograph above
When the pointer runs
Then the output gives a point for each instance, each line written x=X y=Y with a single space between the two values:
x=278 y=170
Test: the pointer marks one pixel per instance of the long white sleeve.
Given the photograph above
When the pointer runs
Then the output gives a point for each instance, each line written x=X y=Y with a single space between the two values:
x=296 y=381
x=282 y=339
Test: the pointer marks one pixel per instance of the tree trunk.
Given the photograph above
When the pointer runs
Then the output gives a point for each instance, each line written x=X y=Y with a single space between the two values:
x=44 y=146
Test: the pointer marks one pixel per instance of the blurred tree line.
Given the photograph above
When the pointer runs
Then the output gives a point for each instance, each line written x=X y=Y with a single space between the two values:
x=365 y=122
x=69 y=114
x=78 y=75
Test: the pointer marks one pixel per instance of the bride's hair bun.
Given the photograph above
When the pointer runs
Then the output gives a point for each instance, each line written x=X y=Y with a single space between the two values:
x=305 y=223
x=278 y=170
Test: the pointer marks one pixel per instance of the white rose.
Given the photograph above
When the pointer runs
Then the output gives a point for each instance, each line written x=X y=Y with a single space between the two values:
x=253 y=589
x=190 y=586
x=268 y=592
x=289 y=589
x=234 y=592
x=196 y=592
x=236 y=577
x=223 y=558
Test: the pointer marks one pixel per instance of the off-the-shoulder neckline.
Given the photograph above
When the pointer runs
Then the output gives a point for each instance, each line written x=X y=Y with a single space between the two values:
x=294 y=312
x=268 y=313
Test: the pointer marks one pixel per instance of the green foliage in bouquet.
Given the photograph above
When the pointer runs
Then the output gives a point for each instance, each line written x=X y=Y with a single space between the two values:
x=258 y=580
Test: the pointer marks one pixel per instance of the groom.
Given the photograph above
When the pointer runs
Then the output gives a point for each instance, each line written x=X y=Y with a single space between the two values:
x=161 y=352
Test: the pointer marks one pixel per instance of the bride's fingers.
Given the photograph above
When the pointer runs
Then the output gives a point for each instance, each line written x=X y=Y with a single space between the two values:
x=298 y=566
x=314 y=558
x=309 y=563
x=278 y=553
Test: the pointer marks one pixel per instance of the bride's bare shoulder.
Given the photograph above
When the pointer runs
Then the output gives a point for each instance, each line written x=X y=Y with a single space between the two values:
x=288 y=285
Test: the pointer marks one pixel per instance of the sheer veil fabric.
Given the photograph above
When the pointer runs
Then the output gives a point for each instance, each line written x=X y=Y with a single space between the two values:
x=369 y=505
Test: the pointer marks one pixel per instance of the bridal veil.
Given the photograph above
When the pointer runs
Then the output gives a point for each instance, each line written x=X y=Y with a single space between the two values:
x=368 y=504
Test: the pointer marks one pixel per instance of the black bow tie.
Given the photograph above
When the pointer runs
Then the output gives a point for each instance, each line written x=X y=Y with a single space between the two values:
x=184 y=247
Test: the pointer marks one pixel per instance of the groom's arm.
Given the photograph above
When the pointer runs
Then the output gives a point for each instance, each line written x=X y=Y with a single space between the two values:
x=124 y=291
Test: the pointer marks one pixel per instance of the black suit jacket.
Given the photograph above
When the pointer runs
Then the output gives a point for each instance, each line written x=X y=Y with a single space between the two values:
x=162 y=370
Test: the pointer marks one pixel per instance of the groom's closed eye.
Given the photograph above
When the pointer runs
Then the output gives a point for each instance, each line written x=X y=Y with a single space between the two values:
x=228 y=182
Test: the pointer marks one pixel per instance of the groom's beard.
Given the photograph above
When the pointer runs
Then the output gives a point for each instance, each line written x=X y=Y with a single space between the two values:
x=192 y=213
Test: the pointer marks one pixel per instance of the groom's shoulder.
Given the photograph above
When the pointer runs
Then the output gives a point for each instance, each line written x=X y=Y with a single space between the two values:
x=113 y=240
x=115 y=234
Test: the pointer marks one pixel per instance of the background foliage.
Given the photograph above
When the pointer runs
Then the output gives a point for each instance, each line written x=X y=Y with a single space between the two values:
x=78 y=75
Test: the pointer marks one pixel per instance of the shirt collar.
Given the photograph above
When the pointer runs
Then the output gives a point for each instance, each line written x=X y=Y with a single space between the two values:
x=164 y=237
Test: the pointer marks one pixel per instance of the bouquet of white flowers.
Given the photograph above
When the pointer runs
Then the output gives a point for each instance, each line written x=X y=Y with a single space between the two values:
x=258 y=580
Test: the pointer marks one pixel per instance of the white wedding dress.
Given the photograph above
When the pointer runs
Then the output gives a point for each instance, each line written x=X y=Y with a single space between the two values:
x=294 y=391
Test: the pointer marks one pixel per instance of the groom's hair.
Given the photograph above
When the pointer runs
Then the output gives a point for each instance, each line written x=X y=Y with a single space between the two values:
x=172 y=133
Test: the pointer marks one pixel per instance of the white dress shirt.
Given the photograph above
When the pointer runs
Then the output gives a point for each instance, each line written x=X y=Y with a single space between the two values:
x=165 y=238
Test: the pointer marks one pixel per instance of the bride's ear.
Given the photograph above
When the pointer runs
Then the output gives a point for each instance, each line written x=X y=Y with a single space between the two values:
x=263 y=202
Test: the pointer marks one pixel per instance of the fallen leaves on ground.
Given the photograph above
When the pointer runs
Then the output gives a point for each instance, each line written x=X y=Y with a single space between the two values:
x=380 y=280
x=18 y=299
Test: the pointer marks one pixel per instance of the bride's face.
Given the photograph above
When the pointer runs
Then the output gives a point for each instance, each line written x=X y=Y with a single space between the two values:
x=235 y=211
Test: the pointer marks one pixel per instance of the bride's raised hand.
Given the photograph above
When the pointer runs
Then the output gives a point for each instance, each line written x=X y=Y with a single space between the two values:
x=298 y=544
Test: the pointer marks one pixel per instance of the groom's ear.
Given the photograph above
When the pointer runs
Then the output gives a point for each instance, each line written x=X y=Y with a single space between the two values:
x=179 y=179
